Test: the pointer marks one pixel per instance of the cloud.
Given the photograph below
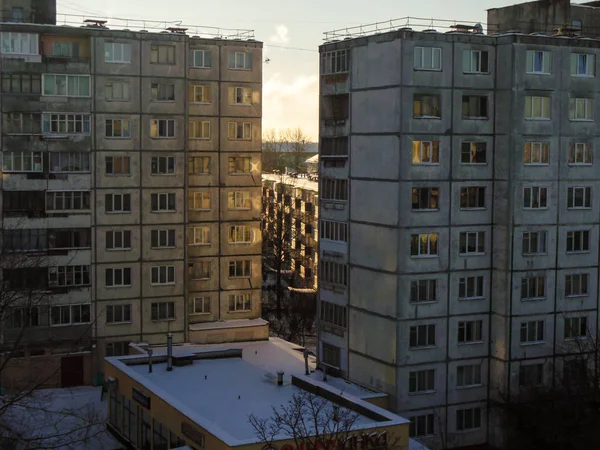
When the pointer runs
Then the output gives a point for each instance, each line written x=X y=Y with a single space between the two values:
x=280 y=36
x=292 y=102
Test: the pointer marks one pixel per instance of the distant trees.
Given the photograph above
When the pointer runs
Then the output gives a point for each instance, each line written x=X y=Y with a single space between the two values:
x=285 y=149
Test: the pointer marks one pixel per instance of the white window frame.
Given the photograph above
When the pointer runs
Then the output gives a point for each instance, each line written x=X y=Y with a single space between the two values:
x=155 y=128
x=71 y=308
x=123 y=89
x=532 y=327
x=471 y=285
x=580 y=154
x=124 y=125
x=167 y=196
x=239 y=267
x=468 y=193
x=35 y=159
x=14 y=43
x=536 y=153
x=583 y=193
x=237 y=92
x=203 y=64
x=198 y=199
x=468 y=376
x=205 y=94
x=199 y=129
x=204 y=303
x=473 y=62
x=589 y=65
x=244 y=230
x=546 y=63
x=68 y=276
x=421 y=381
x=426 y=291
x=69 y=160
x=200 y=236
x=575 y=328
x=577 y=285
x=428 y=58
x=240 y=303
x=474 y=148
x=578 y=235
x=122 y=271
x=69 y=81
x=122 y=201
x=581 y=109
x=66 y=121
x=168 y=162
x=234 y=161
x=431 y=238
x=234 y=128
x=162 y=92
x=535 y=284
x=162 y=275
x=423 y=150
x=163 y=238
x=545 y=104
x=535 y=195
x=125 y=236
x=534 y=243
x=72 y=196
x=125 y=311
x=470 y=327
x=125 y=51
x=479 y=242
x=237 y=198
x=246 y=64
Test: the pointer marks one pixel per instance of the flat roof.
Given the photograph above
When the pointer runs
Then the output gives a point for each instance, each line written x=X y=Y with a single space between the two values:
x=220 y=394
x=297 y=182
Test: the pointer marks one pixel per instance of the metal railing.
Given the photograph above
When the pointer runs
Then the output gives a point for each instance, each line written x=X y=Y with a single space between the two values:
x=416 y=23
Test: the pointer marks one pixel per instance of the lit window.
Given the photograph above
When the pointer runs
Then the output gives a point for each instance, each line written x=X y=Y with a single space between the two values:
x=426 y=106
x=580 y=154
x=426 y=152
x=199 y=93
x=536 y=153
x=581 y=109
x=422 y=245
x=537 y=108
x=473 y=153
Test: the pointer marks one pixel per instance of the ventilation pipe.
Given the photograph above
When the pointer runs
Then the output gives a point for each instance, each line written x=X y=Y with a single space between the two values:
x=169 y=352
x=279 y=378
x=149 y=360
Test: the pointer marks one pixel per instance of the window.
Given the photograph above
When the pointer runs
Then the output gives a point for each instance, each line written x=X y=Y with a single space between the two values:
x=22 y=161
x=475 y=61
x=426 y=106
x=532 y=332
x=118 y=240
x=334 y=273
x=531 y=374
x=16 y=14
x=21 y=83
x=118 y=128
x=535 y=197
x=69 y=314
x=469 y=375
x=579 y=198
x=539 y=62
x=333 y=314
x=470 y=288
x=581 y=109
x=468 y=419
x=162 y=92
x=240 y=269
x=534 y=242
x=118 y=277
x=117 y=52
x=473 y=153
x=199 y=93
x=239 y=131
x=580 y=154
x=116 y=90
x=162 y=202
x=162 y=238
x=117 y=203
x=334 y=146
x=163 y=275
x=22 y=123
x=67 y=201
x=334 y=189
x=199 y=129
x=423 y=291
x=422 y=336
x=199 y=270
x=66 y=162
x=472 y=242
x=472 y=197
x=18 y=203
x=66 y=85
x=118 y=349
x=65 y=123
x=424 y=244
x=474 y=107
x=69 y=238
x=334 y=231
x=162 y=311
x=421 y=426
x=575 y=328
x=240 y=95
x=426 y=152
x=162 y=128
x=201 y=305
x=421 y=381
x=26 y=239
x=428 y=58
x=65 y=276
x=162 y=54
x=118 y=313
x=239 y=200
x=533 y=287
x=200 y=201
x=199 y=165
x=20 y=43
x=337 y=61
x=240 y=60
x=583 y=65
x=537 y=108
x=240 y=234
x=200 y=236
x=578 y=241
x=201 y=59
x=576 y=285
x=23 y=317
x=162 y=165
x=117 y=165
x=575 y=372
x=425 y=199
x=240 y=302
x=470 y=331
x=240 y=165
x=536 y=153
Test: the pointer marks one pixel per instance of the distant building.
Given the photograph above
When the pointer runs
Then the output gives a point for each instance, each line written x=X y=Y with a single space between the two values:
x=28 y=11
x=312 y=164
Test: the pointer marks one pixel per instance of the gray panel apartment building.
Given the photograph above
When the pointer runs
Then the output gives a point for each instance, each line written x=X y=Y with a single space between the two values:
x=131 y=177
x=459 y=179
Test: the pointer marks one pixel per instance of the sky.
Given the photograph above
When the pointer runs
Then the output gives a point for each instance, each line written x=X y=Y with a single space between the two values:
x=291 y=31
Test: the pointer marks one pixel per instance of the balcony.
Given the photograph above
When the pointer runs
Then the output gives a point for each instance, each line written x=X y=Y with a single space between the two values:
x=334 y=115
x=334 y=148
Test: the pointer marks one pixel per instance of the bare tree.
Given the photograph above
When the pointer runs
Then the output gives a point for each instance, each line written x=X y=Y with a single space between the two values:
x=29 y=417
x=284 y=149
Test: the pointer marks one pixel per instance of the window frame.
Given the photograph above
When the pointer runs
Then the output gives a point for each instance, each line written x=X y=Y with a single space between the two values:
x=68 y=81
x=573 y=235
x=233 y=131
x=203 y=232
x=577 y=285
x=542 y=194
x=585 y=197
x=155 y=128
x=428 y=287
x=203 y=310
x=470 y=327
x=432 y=199
x=125 y=275
x=430 y=147
x=467 y=66
x=125 y=312
x=419 y=54
x=575 y=106
x=246 y=65
x=463 y=422
x=245 y=230
x=155 y=54
x=125 y=199
x=419 y=103
x=529 y=328
x=471 y=150
x=203 y=126
x=421 y=381
x=125 y=237
x=170 y=199
x=156 y=275
x=534 y=243
x=204 y=196
x=473 y=106
x=125 y=88
x=575 y=65
x=243 y=300
x=535 y=284
x=575 y=328
x=194 y=58
x=163 y=238
x=584 y=149
x=431 y=237
x=546 y=62
x=123 y=59
x=471 y=376
x=541 y=149
x=156 y=315
x=471 y=284
x=233 y=198
x=205 y=90
x=464 y=243
x=422 y=336
x=169 y=163
x=545 y=103
x=34 y=158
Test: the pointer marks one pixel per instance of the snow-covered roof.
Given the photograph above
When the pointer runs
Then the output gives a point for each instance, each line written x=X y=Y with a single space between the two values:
x=313 y=160
x=236 y=323
x=220 y=394
x=298 y=182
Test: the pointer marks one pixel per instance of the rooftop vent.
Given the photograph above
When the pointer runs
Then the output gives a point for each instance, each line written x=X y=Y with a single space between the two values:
x=405 y=29
x=567 y=31
x=431 y=30
x=177 y=30
x=93 y=23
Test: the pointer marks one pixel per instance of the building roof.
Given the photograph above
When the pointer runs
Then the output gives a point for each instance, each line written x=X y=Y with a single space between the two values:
x=299 y=182
x=313 y=159
x=220 y=394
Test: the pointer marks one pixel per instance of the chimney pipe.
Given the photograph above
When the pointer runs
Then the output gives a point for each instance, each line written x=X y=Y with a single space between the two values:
x=305 y=354
x=169 y=352
x=279 y=378
x=149 y=360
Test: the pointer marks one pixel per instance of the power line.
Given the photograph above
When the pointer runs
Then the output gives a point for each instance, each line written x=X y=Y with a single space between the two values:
x=291 y=48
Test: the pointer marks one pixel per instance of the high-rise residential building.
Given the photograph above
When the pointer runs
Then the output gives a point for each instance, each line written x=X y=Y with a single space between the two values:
x=130 y=190
x=460 y=170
